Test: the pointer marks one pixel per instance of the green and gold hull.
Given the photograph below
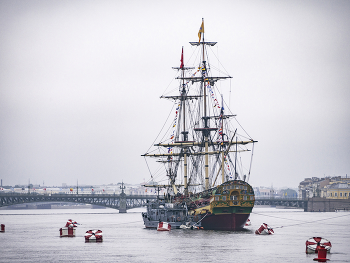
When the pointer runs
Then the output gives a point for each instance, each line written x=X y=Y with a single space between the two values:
x=226 y=207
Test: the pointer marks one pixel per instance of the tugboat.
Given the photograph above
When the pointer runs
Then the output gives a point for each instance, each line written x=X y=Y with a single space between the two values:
x=201 y=154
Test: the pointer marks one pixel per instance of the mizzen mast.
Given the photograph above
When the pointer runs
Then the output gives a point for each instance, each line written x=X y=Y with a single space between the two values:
x=183 y=97
x=183 y=109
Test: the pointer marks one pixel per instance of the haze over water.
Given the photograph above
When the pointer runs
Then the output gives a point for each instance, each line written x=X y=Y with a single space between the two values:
x=80 y=83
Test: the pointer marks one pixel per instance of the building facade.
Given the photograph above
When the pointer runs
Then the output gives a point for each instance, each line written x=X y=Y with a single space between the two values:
x=337 y=191
x=328 y=187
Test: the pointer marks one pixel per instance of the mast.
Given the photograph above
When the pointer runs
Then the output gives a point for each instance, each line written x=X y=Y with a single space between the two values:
x=205 y=131
x=183 y=109
x=236 y=161
x=222 y=144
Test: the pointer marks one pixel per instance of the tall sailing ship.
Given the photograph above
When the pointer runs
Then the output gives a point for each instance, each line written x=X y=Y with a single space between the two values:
x=204 y=180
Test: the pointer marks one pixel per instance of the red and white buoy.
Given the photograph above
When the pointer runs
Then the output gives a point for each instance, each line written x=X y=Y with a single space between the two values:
x=69 y=229
x=264 y=229
x=93 y=236
x=163 y=226
x=313 y=242
x=248 y=223
x=67 y=232
x=321 y=254
x=2 y=229
x=71 y=223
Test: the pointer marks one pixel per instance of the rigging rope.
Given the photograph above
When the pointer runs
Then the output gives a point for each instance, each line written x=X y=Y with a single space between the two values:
x=149 y=169
x=202 y=218
x=172 y=136
x=251 y=161
x=162 y=128
x=303 y=222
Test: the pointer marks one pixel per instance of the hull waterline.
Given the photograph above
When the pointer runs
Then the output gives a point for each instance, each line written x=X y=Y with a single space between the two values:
x=225 y=222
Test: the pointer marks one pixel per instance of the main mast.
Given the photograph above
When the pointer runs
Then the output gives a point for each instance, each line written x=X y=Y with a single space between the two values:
x=206 y=131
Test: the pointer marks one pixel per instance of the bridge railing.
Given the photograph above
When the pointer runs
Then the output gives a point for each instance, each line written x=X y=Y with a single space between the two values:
x=280 y=198
x=63 y=194
x=107 y=200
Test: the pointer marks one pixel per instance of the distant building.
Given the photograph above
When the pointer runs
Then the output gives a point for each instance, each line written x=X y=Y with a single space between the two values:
x=327 y=187
x=287 y=193
x=337 y=191
x=264 y=192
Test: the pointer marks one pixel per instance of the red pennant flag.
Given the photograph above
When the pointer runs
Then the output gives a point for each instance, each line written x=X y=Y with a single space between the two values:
x=182 y=58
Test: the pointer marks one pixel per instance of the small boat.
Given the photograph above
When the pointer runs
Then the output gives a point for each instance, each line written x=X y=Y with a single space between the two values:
x=188 y=225
x=264 y=229
x=313 y=242
x=248 y=223
x=163 y=226
x=93 y=236
x=2 y=229
x=67 y=232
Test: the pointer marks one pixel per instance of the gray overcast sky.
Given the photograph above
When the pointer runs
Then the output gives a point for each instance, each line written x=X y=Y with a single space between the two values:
x=80 y=83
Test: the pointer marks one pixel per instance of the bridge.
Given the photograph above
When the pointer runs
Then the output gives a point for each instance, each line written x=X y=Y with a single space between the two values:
x=122 y=202
x=314 y=204
x=285 y=202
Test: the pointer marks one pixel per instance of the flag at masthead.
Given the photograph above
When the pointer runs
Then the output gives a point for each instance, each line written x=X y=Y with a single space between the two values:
x=201 y=30
x=182 y=58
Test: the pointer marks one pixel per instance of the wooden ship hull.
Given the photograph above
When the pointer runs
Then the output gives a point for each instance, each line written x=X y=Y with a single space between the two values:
x=227 y=208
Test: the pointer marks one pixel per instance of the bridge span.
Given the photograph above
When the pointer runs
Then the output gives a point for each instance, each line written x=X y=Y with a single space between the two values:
x=116 y=201
x=120 y=201
x=284 y=202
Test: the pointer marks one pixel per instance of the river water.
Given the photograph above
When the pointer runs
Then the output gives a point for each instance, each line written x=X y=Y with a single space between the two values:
x=33 y=236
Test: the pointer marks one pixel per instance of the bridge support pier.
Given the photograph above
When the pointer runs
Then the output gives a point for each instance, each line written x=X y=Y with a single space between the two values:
x=122 y=205
x=319 y=204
